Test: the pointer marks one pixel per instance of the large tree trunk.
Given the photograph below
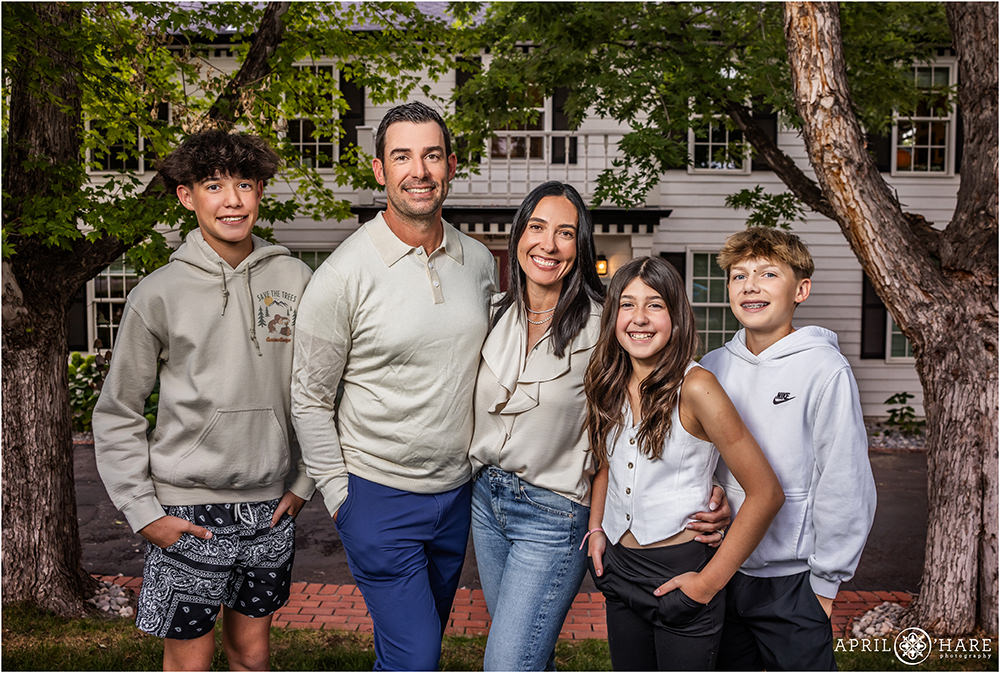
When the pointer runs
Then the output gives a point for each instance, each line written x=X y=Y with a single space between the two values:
x=940 y=287
x=41 y=543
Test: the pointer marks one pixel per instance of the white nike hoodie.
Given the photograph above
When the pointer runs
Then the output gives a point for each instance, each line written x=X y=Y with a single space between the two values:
x=800 y=401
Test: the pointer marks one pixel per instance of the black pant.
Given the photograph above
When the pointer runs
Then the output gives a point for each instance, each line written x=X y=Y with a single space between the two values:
x=669 y=632
x=775 y=623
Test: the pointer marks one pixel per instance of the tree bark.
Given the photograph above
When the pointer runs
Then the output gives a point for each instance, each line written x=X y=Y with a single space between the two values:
x=41 y=542
x=945 y=304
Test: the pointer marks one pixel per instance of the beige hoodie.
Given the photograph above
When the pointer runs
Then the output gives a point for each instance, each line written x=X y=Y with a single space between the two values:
x=223 y=341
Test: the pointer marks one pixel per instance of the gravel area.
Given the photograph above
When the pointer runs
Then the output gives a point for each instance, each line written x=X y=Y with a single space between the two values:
x=114 y=600
x=885 y=438
x=878 y=622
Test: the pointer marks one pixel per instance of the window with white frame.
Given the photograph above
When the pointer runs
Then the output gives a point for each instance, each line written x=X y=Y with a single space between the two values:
x=316 y=150
x=508 y=143
x=899 y=346
x=125 y=155
x=714 y=320
x=923 y=141
x=106 y=302
x=323 y=150
x=715 y=147
x=881 y=338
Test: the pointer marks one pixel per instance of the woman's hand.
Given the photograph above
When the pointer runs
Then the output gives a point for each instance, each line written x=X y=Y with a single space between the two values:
x=691 y=584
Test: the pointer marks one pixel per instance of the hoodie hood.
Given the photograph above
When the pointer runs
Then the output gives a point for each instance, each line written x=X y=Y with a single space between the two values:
x=198 y=253
x=802 y=339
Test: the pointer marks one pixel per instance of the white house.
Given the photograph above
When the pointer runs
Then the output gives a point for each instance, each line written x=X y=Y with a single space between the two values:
x=684 y=219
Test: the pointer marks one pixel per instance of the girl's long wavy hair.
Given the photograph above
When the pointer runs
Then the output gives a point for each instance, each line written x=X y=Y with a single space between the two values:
x=607 y=377
x=580 y=286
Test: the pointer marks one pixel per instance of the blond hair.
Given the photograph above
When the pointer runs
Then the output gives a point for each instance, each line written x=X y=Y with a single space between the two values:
x=767 y=243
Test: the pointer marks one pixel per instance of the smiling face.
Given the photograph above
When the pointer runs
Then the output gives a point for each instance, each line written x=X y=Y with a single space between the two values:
x=763 y=295
x=643 y=326
x=546 y=250
x=414 y=170
x=226 y=208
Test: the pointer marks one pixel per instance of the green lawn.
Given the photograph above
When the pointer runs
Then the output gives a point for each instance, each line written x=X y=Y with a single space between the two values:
x=34 y=640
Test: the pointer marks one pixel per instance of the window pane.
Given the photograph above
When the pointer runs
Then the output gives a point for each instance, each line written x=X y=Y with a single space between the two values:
x=923 y=76
x=899 y=345
x=111 y=286
x=717 y=291
x=699 y=291
x=904 y=159
x=537 y=147
x=700 y=318
x=905 y=133
x=715 y=319
x=939 y=133
x=700 y=265
x=937 y=159
x=701 y=156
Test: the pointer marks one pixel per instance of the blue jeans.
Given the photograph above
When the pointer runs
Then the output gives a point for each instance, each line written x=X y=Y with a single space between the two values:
x=405 y=551
x=527 y=542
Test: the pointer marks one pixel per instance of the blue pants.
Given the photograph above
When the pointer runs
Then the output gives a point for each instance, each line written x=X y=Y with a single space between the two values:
x=530 y=563
x=405 y=551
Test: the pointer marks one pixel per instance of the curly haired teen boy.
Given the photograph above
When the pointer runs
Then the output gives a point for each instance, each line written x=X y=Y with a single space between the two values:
x=797 y=395
x=214 y=488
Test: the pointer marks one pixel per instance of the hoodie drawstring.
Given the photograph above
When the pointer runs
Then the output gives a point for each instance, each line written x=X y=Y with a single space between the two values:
x=253 y=323
x=225 y=290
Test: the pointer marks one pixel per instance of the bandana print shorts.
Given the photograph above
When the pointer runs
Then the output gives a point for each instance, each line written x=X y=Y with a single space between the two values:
x=246 y=565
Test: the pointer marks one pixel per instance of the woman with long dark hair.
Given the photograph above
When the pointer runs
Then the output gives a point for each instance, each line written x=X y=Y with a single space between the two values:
x=530 y=498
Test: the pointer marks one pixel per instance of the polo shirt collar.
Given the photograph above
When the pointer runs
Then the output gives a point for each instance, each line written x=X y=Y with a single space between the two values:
x=391 y=249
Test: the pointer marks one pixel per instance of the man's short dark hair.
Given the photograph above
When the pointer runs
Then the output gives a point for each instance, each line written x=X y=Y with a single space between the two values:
x=215 y=152
x=415 y=112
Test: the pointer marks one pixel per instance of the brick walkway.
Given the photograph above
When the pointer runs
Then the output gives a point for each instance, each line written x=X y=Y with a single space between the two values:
x=341 y=608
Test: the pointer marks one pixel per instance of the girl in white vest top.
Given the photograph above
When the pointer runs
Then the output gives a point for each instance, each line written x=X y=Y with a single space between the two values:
x=655 y=420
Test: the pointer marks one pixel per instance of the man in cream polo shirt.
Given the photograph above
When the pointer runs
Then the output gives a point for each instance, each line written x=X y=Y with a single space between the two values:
x=397 y=316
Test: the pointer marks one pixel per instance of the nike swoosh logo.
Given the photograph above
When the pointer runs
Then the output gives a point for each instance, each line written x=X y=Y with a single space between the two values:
x=781 y=398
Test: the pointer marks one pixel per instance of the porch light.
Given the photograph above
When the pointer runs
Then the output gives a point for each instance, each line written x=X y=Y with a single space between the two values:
x=602 y=265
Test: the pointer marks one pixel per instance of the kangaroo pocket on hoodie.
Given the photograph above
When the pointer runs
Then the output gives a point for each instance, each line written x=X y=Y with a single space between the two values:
x=221 y=457
x=782 y=540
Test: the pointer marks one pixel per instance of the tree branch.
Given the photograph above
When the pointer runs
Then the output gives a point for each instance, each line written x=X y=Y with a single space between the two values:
x=804 y=188
x=970 y=241
x=255 y=67
x=900 y=266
